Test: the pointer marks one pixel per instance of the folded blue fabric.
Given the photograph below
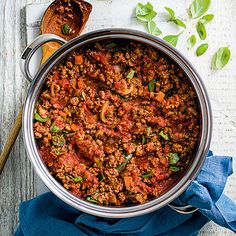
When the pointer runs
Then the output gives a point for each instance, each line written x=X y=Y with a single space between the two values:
x=47 y=215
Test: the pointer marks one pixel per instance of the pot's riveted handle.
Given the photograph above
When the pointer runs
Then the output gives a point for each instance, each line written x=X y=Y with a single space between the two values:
x=32 y=48
x=184 y=209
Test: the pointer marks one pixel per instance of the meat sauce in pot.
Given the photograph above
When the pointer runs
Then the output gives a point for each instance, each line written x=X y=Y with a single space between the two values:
x=117 y=123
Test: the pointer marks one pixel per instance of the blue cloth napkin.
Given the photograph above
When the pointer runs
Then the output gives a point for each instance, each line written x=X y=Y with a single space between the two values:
x=47 y=215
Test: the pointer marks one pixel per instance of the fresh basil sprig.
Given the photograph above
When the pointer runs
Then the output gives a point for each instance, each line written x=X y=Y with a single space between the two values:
x=221 y=58
x=145 y=12
x=174 y=19
x=201 y=30
x=191 y=41
x=207 y=19
x=199 y=8
x=202 y=49
x=172 y=39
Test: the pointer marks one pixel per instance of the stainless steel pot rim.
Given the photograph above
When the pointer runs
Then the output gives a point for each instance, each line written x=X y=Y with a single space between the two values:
x=51 y=182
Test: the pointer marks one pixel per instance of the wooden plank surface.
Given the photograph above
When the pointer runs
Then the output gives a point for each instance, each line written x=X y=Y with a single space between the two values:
x=17 y=182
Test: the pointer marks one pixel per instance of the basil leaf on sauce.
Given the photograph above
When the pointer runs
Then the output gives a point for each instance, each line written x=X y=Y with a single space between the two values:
x=111 y=45
x=39 y=118
x=198 y=8
x=143 y=139
x=58 y=141
x=152 y=85
x=121 y=166
x=77 y=179
x=191 y=42
x=54 y=128
x=221 y=58
x=202 y=49
x=56 y=151
x=173 y=158
x=163 y=135
x=148 y=131
x=90 y=199
x=174 y=168
x=146 y=174
x=130 y=75
x=83 y=94
x=127 y=158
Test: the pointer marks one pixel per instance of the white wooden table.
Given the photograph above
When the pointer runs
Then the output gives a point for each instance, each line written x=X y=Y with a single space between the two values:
x=17 y=182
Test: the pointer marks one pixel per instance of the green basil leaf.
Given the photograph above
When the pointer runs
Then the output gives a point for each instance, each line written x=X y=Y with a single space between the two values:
x=172 y=39
x=58 y=141
x=120 y=167
x=39 y=118
x=221 y=58
x=141 y=10
x=56 y=151
x=207 y=19
x=111 y=45
x=202 y=49
x=83 y=94
x=128 y=157
x=77 y=179
x=199 y=7
x=163 y=135
x=143 y=139
x=191 y=41
x=145 y=12
x=179 y=23
x=54 y=128
x=146 y=174
x=65 y=29
x=90 y=199
x=171 y=12
x=152 y=28
x=147 y=17
x=131 y=74
x=152 y=85
x=174 y=168
x=174 y=19
x=173 y=158
x=149 y=6
x=201 y=30
x=148 y=131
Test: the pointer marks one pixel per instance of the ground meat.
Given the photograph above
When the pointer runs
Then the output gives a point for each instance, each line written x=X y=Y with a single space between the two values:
x=117 y=123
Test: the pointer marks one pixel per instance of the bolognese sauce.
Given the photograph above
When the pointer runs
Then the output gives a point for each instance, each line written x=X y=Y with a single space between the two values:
x=116 y=123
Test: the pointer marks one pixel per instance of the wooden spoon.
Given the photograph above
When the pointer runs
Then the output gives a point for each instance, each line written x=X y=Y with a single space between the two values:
x=65 y=18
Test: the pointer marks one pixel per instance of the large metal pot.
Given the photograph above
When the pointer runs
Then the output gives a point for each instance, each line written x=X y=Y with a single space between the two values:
x=34 y=91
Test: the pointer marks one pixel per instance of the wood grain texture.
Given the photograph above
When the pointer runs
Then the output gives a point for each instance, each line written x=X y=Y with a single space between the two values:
x=11 y=138
x=17 y=182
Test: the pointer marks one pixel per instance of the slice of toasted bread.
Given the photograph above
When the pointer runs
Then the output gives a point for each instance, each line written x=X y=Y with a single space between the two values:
x=65 y=18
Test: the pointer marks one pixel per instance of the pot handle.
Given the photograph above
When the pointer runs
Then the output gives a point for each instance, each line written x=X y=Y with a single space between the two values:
x=32 y=48
x=184 y=209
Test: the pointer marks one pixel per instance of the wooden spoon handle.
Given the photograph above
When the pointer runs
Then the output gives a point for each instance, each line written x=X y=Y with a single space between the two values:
x=11 y=140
